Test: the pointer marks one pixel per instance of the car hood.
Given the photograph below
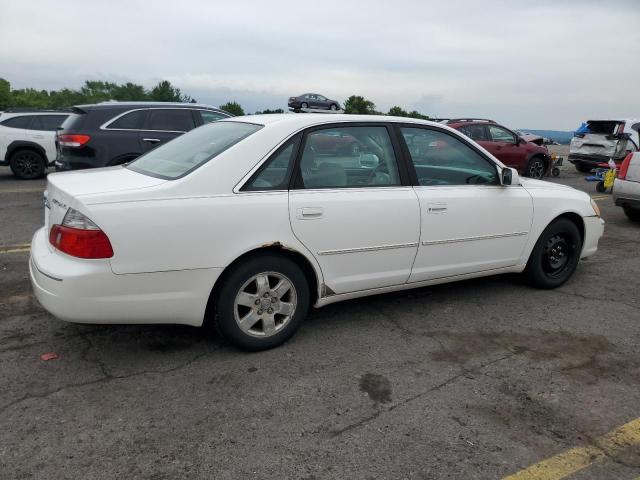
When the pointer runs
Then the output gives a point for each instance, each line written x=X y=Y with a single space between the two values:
x=530 y=183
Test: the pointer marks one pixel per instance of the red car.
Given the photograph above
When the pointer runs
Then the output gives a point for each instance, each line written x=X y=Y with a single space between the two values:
x=529 y=159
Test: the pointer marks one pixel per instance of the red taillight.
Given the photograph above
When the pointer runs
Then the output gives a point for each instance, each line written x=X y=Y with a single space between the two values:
x=80 y=243
x=622 y=174
x=72 y=140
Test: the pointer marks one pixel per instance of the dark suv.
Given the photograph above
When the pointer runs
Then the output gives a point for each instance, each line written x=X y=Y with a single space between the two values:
x=112 y=133
x=530 y=159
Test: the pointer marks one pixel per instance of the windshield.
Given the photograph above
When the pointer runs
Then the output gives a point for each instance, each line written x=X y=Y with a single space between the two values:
x=191 y=150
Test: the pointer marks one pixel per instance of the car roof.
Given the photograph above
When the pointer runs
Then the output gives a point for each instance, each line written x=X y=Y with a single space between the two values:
x=303 y=120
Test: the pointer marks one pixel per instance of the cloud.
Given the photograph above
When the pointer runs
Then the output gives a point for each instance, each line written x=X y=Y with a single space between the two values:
x=542 y=64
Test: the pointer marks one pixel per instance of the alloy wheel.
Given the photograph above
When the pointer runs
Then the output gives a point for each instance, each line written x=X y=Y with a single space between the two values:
x=536 y=169
x=27 y=165
x=265 y=304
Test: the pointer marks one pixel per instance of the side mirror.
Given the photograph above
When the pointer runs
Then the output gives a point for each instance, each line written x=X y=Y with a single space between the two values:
x=509 y=176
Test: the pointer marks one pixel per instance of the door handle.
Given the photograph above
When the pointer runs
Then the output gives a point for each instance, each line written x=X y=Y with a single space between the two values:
x=436 y=208
x=151 y=140
x=310 y=213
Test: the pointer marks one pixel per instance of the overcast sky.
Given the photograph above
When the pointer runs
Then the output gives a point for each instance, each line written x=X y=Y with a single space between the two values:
x=534 y=64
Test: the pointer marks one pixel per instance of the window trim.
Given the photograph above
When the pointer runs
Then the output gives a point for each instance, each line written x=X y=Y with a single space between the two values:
x=105 y=125
x=458 y=136
x=404 y=176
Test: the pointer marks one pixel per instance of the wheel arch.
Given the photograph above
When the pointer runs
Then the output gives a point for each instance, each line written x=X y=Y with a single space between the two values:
x=16 y=145
x=572 y=216
x=311 y=273
x=546 y=158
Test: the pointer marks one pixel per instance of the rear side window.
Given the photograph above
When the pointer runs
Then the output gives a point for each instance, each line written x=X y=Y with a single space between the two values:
x=187 y=152
x=170 y=120
x=442 y=159
x=18 y=122
x=277 y=170
x=47 y=122
x=475 y=132
x=209 y=116
x=130 y=121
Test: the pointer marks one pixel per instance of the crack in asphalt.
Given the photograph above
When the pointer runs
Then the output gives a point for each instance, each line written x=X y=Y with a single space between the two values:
x=107 y=377
x=464 y=373
x=597 y=299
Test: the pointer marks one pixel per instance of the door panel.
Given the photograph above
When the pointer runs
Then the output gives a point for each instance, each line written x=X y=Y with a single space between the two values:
x=468 y=229
x=362 y=238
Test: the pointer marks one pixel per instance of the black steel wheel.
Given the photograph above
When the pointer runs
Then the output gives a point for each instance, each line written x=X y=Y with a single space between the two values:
x=555 y=256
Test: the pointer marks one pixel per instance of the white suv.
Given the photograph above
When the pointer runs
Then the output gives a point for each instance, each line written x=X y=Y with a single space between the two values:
x=27 y=141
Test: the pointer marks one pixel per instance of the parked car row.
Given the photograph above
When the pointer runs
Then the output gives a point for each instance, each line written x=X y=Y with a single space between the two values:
x=99 y=135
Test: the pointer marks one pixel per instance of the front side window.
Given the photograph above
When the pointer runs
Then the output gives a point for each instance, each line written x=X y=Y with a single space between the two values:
x=349 y=157
x=18 y=122
x=475 y=132
x=130 y=121
x=187 y=152
x=209 y=116
x=170 y=120
x=499 y=134
x=277 y=170
x=441 y=159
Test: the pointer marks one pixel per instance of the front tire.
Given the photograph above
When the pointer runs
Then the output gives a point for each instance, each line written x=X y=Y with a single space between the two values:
x=304 y=105
x=555 y=256
x=536 y=168
x=27 y=164
x=262 y=302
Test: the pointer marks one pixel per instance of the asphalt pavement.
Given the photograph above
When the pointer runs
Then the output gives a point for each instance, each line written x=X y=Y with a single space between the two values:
x=480 y=379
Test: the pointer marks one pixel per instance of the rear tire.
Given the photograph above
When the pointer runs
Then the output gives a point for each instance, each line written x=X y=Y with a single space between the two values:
x=582 y=168
x=600 y=187
x=555 y=256
x=27 y=164
x=333 y=107
x=262 y=302
x=632 y=214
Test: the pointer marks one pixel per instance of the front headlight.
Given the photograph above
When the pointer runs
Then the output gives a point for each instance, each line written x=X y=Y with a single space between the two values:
x=595 y=207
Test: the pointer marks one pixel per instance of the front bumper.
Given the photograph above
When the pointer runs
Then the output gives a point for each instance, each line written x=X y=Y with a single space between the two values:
x=87 y=291
x=593 y=231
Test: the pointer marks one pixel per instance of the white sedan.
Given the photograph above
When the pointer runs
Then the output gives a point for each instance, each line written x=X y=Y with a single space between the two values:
x=247 y=222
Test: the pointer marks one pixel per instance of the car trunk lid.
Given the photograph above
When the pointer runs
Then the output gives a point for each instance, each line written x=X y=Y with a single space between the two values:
x=73 y=189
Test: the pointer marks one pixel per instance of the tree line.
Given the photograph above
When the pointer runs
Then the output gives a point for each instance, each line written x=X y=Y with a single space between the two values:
x=94 y=91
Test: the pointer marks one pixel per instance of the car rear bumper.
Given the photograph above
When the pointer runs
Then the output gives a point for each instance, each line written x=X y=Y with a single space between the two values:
x=593 y=231
x=87 y=291
x=591 y=160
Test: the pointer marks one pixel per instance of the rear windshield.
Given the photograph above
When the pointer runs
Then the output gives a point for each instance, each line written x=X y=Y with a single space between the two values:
x=606 y=127
x=191 y=150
